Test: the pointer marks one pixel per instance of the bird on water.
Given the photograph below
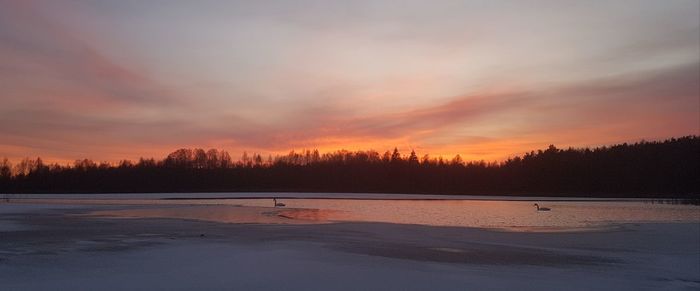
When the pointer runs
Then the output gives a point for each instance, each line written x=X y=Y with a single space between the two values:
x=541 y=208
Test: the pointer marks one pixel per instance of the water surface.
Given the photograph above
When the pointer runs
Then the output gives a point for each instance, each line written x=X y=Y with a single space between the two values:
x=513 y=213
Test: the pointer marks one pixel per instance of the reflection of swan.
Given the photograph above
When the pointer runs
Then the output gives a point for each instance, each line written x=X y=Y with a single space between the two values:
x=541 y=208
x=278 y=204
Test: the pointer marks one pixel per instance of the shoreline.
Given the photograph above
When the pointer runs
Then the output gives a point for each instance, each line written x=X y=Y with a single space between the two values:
x=346 y=196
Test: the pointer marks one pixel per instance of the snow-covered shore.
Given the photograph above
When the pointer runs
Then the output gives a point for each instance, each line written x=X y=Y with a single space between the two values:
x=62 y=248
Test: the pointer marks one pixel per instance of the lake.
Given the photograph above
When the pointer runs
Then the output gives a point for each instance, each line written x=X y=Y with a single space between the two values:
x=501 y=212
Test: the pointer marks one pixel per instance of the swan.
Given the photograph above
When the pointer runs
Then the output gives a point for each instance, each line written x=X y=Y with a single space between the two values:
x=278 y=204
x=541 y=208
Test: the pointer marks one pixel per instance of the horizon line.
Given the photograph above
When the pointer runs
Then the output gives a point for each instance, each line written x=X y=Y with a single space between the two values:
x=276 y=155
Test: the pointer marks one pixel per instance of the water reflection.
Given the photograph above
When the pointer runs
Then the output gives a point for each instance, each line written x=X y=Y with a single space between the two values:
x=501 y=214
x=225 y=213
x=470 y=213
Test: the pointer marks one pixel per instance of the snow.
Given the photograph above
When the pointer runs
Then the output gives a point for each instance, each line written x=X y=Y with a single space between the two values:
x=10 y=210
x=296 y=266
x=84 y=252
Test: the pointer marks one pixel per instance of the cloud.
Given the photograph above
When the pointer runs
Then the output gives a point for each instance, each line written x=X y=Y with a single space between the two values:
x=645 y=97
x=43 y=60
x=651 y=104
x=61 y=97
x=362 y=75
x=328 y=123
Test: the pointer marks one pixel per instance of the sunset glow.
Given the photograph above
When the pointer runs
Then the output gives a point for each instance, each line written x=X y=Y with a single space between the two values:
x=111 y=80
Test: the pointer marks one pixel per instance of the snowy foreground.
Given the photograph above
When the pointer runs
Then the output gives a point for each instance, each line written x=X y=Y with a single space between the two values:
x=69 y=248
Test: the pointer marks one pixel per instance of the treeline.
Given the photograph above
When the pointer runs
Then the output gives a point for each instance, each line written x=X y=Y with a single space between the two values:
x=669 y=168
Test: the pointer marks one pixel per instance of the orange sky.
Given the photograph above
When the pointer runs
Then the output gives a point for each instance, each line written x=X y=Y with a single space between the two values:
x=118 y=80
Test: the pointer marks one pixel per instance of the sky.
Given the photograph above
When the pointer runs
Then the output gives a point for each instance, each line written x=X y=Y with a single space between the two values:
x=112 y=80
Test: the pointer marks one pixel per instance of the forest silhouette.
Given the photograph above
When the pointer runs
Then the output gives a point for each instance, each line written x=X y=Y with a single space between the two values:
x=669 y=168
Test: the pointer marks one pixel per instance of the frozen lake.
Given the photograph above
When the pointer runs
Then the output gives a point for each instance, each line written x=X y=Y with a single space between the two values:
x=155 y=242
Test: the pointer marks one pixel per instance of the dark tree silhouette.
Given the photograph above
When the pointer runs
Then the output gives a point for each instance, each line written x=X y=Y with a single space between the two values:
x=413 y=158
x=5 y=169
x=669 y=168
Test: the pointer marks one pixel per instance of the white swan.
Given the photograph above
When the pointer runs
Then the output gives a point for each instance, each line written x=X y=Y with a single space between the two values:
x=278 y=204
x=541 y=208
